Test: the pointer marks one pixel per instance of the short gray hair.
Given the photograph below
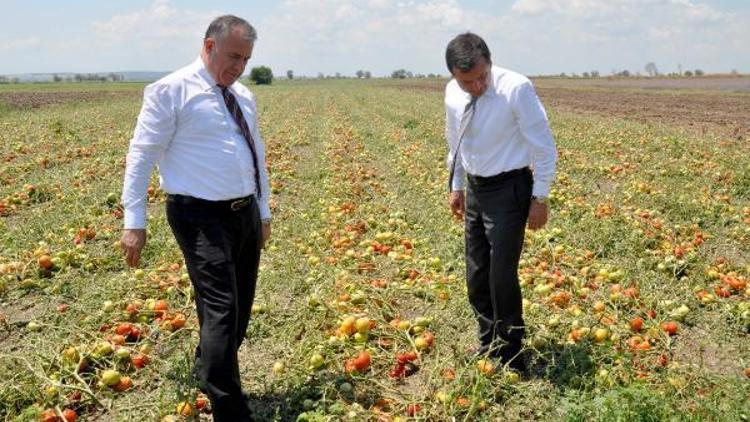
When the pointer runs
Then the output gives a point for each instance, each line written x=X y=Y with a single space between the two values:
x=223 y=25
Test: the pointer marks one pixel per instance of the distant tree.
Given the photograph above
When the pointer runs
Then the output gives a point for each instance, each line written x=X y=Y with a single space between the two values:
x=261 y=75
x=321 y=75
x=586 y=75
x=338 y=75
x=368 y=75
x=290 y=74
x=360 y=74
x=734 y=72
x=400 y=74
x=688 y=73
x=651 y=69
x=57 y=78
x=625 y=73
x=563 y=75
x=698 y=72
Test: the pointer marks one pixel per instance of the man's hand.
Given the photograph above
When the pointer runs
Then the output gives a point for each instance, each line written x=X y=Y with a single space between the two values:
x=456 y=201
x=265 y=229
x=537 y=215
x=133 y=241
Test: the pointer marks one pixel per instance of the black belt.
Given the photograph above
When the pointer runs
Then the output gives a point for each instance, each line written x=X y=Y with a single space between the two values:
x=498 y=178
x=231 y=204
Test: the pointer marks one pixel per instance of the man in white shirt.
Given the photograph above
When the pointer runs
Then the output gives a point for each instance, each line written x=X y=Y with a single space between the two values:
x=200 y=126
x=497 y=131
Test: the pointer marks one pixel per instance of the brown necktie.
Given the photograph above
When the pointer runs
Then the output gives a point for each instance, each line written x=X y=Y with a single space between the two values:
x=465 y=120
x=239 y=118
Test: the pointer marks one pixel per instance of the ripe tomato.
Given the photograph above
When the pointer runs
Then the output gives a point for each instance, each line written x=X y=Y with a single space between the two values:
x=429 y=338
x=201 y=402
x=139 y=360
x=160 y=307
x=412 y=409
x=636 y=324
x=178 y=321
x=69 y=415
x=406 y=357
x=124 y=384
x=45 y=262
x=48 y=415
x=363 y=360
x=124 y=329
x=670 y=327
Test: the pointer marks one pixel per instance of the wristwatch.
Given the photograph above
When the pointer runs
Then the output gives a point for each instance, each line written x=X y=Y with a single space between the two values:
x=540 y=199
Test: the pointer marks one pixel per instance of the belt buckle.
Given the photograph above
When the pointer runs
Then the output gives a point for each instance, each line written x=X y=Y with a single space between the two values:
x=238 y=204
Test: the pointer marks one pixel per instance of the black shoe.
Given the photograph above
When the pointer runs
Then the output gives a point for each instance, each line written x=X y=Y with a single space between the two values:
x=519 y=365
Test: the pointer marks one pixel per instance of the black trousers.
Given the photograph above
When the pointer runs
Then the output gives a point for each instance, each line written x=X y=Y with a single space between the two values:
x=221 y=247
x=495 y=219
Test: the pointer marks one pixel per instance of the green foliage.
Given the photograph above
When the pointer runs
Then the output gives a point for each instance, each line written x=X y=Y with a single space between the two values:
x=261 y=75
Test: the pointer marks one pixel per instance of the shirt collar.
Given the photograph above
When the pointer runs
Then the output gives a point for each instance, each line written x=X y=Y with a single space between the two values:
x=491 y=90
x=204 y=76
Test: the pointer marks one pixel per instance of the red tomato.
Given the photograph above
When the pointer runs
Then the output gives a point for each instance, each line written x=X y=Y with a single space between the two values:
x=124 y=329
x=670 y=327
x=363 y=360
x=69 y=415
x=636 y=324
x=160 y=307
x=139 y=360
x=48 y=415
x=201 y=402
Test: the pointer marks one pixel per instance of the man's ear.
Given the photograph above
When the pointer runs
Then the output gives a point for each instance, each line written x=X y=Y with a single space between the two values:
x=209 y=44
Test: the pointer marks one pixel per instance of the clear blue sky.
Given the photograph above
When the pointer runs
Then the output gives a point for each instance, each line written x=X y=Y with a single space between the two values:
x=328 y=36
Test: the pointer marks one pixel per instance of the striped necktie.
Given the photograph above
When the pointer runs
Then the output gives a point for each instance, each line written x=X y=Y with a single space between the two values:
x=465 y=120
x=239 y=118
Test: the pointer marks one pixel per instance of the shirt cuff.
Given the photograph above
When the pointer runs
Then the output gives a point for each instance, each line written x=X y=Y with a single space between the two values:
x=459 y=178
x=135 y=218
x=540 y=189
x=265 y=210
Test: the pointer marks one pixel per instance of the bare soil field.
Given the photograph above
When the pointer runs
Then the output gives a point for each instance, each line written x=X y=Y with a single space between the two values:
x=31 y=99
x=705 y=112
x=703 y=83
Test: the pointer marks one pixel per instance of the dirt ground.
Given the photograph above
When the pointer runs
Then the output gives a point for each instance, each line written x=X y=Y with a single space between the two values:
x=715 y=112
x=27 y=99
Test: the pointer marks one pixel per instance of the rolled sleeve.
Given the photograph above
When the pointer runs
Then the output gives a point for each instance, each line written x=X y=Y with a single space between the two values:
x=534 y=127
x=154 y=130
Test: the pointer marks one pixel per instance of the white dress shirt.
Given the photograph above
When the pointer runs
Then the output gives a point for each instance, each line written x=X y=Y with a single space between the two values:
x=509 y=130
x=185 y=128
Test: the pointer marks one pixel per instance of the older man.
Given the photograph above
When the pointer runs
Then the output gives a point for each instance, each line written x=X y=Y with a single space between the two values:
x=200 y=126
x=497 y=131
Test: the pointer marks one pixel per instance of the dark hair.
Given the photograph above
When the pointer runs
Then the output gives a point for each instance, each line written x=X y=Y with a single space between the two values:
x=464 y=51
x=223 y=25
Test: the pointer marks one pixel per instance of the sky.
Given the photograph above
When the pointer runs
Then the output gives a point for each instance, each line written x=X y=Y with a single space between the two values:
x=309 y=37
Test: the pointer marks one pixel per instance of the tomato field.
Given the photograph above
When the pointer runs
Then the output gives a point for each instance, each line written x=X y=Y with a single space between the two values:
x=636 y=294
